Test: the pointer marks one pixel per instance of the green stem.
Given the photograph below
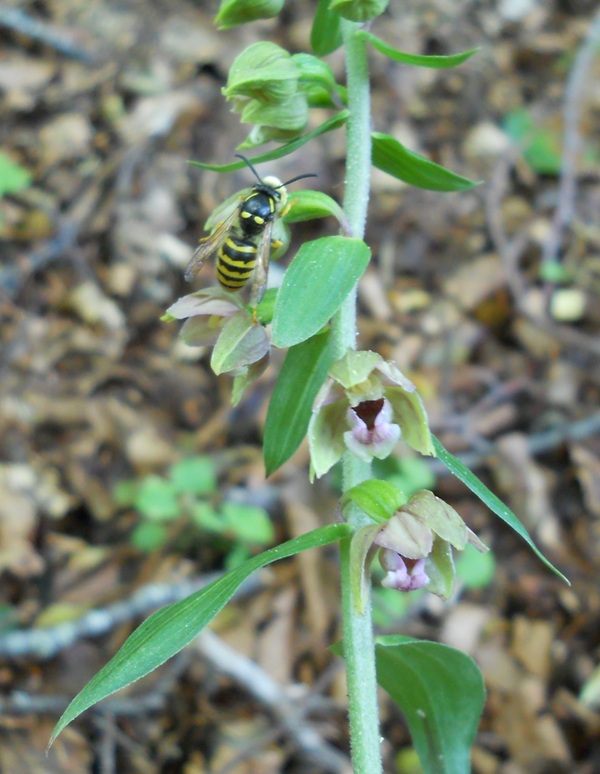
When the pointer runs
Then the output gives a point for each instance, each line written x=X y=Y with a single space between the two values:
x=359 y=648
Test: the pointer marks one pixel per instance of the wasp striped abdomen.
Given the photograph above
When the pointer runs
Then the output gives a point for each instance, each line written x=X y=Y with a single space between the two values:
x=236 y=261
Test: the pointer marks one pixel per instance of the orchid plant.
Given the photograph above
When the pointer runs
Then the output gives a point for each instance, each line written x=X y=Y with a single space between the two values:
x=353 y=405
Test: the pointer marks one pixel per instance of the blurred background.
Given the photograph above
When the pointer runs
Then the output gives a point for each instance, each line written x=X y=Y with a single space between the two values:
x=126 y=477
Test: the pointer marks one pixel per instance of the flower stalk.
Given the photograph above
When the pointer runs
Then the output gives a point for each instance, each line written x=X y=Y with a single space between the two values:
x=359 y=648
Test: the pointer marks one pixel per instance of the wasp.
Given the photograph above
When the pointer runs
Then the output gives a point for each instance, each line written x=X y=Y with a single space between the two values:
x=243 y=239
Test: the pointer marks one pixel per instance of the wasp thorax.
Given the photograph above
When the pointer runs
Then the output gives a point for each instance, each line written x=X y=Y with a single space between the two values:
x=277 y=186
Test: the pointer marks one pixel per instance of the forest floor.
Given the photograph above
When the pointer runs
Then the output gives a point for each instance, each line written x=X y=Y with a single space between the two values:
x=477 y=296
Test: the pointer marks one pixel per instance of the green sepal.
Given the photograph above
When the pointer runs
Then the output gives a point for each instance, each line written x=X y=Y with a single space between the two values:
x=355 y=368
x=361 y=556
x=316 y=80
x=435 y=62
x=359 y=10
x=235 y=12
x=287 y=115
x=326 y=32
x=326 y=437
x=410 y=414
x=245 y=376
x=392 y=157
x=266 y=308
x=378 y=499
x=240 y=343
x=440 y=569
x=440 y=517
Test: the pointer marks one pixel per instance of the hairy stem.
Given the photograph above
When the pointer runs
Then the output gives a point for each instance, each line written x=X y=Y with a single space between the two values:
x=359 y=651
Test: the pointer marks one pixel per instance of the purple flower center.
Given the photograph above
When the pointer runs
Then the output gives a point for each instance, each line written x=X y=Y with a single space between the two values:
x=368 y=411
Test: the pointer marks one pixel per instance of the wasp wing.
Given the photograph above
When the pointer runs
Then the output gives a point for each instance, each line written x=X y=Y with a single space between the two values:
x=209 y=245
x=259 y=284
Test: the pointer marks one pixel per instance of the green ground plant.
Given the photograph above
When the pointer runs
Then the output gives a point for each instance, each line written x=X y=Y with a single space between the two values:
x=187 y=498
x=353 y=406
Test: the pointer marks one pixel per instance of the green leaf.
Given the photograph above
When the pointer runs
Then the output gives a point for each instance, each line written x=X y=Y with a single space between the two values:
x=173 y=627
x=309 y=205
x=194 y=475
x=392 y=157
x=456 y=467
x=13 y=177
x=441 y=693
x=326 y=32
x=125 y=492
x=475 y=570
x=541 y=144
x=278 y=153
x=157 y=499
x=248 y=523
x=302 y=374
x=378 y=499
x=435 y=62
x=320 y=277
x=148 y=536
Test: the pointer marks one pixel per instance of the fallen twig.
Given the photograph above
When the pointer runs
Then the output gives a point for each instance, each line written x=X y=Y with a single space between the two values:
x=49 y=34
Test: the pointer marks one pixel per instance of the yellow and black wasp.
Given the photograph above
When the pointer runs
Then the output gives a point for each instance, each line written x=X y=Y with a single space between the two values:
x=242 y=239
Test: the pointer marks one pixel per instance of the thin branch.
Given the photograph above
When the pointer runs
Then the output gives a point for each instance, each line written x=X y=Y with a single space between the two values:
x=43 y=32
x=47 y=642
x=279 y=701
x=574 y=98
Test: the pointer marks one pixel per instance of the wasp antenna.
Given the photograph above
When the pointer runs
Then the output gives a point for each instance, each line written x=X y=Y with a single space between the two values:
x=248 y=163
x=300 y=177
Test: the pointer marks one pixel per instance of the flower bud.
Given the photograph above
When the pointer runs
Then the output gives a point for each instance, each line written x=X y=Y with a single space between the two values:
x=316 y=80
x=265 y=72
x=234 y=12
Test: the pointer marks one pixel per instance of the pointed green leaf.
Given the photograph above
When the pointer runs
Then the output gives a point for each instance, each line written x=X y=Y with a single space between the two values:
x=392 y=157
x=441 y=693
x=302 y=374
x=284 y=150
x=326 y=33
x=493 y=502
x=378 y=499
x=320 y=277
x=173 y=627
x=435 y=62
